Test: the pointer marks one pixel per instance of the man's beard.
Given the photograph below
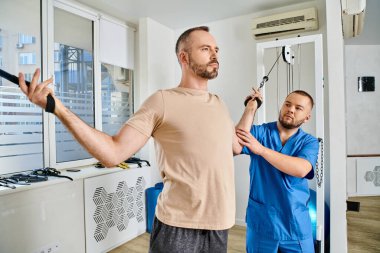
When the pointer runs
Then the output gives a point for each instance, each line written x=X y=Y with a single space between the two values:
x=291 y=125
x=201 y=69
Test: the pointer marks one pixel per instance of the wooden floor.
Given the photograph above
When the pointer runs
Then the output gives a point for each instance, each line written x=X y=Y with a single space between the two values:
x=363 y=227
x=236 y=243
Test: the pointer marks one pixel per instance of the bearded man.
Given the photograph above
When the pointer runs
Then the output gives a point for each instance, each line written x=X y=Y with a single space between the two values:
x=195 y=142
x=282 y=159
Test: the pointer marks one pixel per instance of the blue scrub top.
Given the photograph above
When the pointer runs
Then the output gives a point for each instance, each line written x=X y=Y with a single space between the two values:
x=278 y=203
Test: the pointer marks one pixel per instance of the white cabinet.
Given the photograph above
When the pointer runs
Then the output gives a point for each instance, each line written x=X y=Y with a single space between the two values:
x=98 y=211
x=115 y=208
x=43 y=218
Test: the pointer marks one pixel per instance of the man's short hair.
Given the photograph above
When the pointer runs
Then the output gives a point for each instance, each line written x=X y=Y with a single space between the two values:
x=184 y=37
x=304 y=93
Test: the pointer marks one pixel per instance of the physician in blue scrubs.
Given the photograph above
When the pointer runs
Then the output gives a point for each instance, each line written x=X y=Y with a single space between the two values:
x=283 y=157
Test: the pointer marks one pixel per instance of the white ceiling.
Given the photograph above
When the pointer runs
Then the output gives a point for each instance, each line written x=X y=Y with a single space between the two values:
x=183 y=13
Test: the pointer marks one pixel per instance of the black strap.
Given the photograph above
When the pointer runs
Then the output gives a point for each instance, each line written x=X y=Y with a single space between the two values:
x=137 y=160
x=28 y=178
x=49 y=172
x=259 y=102
x=50 y=104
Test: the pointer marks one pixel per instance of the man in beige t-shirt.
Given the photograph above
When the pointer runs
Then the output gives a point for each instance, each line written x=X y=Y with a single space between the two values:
x=195 y=141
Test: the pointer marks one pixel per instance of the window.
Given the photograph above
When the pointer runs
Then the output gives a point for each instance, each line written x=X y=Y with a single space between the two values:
x=74 y=78
x=117 y=99
x=26 y=39
x=27 y=58
x=57 y=52
x=78 y=83
x=21 y=131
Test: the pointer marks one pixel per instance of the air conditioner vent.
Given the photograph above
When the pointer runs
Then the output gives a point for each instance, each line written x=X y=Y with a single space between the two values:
x=284 y=23
x=273 y=34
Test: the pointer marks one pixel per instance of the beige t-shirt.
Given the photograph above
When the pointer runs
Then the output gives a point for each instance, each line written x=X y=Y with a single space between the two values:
x=193 y=135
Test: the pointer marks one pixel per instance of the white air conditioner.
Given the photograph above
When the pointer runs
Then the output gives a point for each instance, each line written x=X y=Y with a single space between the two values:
x=353 y=12
x=285 y=23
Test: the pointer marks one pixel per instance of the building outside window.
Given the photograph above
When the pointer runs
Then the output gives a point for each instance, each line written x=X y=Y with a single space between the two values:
x=74 y=78
x=26 y=39
x=117 y=97
x=27 y=58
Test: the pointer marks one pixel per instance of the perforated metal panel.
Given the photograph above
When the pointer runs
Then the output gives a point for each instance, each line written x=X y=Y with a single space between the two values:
x=115 y=208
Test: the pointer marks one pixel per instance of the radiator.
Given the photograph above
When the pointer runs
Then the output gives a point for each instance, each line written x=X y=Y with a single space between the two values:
x=115 y=208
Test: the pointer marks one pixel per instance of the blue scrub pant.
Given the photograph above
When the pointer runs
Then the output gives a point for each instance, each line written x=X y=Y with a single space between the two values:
x=259 y=244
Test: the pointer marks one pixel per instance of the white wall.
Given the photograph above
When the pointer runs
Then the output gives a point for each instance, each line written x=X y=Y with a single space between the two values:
x=363 y=112
x=362 y=58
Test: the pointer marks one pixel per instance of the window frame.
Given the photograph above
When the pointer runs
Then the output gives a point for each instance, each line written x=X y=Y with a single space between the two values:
x=14 y=163
x=46 y=56
x=50 y=144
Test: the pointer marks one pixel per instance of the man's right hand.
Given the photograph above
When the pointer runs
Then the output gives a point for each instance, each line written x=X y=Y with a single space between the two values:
x=36 y=92
x=248 y=116
x=254 y=97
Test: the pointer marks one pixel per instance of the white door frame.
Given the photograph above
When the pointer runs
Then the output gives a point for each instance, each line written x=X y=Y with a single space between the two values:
x=319 y=107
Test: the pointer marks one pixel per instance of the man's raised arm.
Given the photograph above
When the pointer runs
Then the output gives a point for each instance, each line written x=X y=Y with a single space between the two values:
x=109 y=150
x=246 y=120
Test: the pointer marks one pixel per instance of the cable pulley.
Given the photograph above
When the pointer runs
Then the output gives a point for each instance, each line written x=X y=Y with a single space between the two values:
x=288 y=58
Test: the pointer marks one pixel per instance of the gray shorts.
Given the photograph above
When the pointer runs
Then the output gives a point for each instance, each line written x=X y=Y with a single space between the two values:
x=169 y=239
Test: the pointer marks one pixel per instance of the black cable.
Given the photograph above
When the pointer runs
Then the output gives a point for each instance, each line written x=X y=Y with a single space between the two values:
x=265 y=79
x=28 y=178
x=50 y=103
x=49 y=172
x=11 y=78
x=137 y=160
x=274 y=63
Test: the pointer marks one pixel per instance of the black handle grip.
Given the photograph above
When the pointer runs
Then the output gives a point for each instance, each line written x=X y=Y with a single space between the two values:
x=259 y=102
x=50 y=103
